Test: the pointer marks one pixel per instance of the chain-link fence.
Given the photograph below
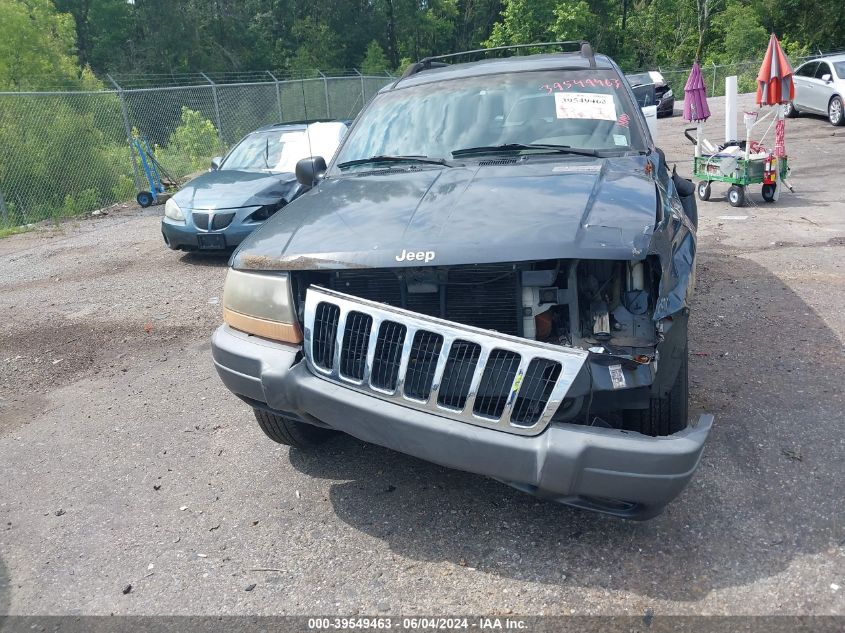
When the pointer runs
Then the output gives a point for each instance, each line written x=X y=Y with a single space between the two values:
x=714 y=76
x=68 y=153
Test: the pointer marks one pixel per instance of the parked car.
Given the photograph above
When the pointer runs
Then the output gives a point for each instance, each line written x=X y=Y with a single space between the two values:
x=820 y=89
x=493 y=274
x=218 y=209
x=664 y=97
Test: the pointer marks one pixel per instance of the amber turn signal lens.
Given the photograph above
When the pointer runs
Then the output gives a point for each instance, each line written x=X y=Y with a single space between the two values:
x=286 y=332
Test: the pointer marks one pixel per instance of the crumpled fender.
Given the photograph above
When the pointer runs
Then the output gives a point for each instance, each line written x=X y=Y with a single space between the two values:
x=674 y=245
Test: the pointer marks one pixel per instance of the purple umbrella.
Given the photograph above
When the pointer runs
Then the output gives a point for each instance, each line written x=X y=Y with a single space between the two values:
x=695 y=102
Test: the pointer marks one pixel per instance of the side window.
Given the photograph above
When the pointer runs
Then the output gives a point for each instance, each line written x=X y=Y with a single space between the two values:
x=823 y=69
x=808 y=69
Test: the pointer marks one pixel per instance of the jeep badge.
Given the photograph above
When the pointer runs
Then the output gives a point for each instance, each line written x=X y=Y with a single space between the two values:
x=419 y=256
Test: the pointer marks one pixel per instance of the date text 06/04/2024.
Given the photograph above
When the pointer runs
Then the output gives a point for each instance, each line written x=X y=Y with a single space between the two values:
x=418 y=623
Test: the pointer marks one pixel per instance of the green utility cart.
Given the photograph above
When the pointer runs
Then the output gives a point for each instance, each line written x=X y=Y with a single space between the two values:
x=739 y=173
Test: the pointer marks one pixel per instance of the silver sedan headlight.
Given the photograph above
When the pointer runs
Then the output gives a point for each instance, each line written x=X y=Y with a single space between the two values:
x=261 y=304
x=172 y=211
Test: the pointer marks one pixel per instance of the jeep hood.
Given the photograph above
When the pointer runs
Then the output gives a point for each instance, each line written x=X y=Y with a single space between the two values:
x=232 y=189
x=535 y=209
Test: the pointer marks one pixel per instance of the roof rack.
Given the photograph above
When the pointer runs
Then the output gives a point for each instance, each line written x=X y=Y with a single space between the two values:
x=819 y=53
x=435 y=61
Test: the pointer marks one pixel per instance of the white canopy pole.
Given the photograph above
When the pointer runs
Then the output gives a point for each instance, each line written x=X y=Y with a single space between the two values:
x=730 y=109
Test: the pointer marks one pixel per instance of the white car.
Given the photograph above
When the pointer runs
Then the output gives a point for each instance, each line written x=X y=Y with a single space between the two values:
x=820 y=88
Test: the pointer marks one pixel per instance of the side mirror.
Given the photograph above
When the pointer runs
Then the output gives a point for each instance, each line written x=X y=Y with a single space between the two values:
x=310 y=170
x=215 y=163
x=826 y=78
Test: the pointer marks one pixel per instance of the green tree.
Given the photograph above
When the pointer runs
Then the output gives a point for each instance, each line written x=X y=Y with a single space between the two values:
x=375 y=61
x=319 y=47
x=740 y=34
x=36 y=44
x=523 y=22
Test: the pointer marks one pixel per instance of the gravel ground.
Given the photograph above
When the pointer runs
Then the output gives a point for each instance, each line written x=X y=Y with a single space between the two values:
x=126 y=462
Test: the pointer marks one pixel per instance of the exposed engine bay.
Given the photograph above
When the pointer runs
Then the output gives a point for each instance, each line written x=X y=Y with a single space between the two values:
x=603 y=306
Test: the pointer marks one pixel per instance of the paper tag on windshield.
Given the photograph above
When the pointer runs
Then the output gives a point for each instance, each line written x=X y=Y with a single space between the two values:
x=585 y=105
x=620 y=139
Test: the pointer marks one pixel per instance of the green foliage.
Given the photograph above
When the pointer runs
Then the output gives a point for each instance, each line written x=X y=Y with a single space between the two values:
x=35 y=41
x=573 y=20
x=123 y=189
x=196 y=138
x=59 y=155
x=319 y=47
x=79 y=203
x=375 y=61
x=192 y=145
x=230 y=35
x=523 y=22
x=742 y=35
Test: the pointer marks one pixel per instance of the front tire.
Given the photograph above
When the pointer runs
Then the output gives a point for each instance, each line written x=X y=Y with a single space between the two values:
x=789 y=110
x=736 y=195
x=835 y=112
x=290 y=432
x=666 y=415
x=704 y=190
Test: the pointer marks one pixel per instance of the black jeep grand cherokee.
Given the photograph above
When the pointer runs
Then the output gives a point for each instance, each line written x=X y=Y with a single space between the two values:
x=493 y=273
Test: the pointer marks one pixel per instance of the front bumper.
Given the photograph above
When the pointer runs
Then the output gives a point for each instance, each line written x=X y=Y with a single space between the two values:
x=184 y=235
x=606 y=470
x=666 y=107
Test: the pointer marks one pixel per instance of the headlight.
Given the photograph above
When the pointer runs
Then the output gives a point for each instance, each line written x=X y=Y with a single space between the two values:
x=261 y=304
x=668 y=94
x=172 y=210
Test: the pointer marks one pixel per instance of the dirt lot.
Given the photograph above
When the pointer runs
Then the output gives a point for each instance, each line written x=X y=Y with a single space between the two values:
x=125 y=461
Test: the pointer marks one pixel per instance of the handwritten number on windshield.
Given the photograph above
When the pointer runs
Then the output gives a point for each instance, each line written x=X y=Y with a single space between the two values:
x=569 y=84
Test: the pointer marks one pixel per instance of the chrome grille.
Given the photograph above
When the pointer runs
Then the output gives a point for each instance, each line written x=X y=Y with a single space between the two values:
x=452 y=370
x=422 y=363
x=353 y=351
x=541 y=377
x=496 y=382
x=461 y=363
x=325 y=333
x=388 y=355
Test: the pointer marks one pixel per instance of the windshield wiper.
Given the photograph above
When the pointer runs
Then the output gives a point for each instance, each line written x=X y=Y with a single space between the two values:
x=394 y=159
x=514 y=147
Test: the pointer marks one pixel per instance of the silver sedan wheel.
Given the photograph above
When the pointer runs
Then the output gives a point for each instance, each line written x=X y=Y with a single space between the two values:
x=834 y=111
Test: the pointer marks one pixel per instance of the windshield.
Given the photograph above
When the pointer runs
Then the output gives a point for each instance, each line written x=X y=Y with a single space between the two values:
x=640 y=78
x=262 y=151
x=280 y=149
x=580 y=109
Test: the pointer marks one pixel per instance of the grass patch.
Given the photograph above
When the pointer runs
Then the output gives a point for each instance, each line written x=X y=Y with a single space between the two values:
x=6 y=231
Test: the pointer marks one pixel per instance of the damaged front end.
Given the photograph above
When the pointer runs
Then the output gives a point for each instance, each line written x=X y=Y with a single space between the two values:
x=602 y=315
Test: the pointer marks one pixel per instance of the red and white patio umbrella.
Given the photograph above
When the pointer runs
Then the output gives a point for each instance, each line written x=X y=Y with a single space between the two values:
x=774 y=88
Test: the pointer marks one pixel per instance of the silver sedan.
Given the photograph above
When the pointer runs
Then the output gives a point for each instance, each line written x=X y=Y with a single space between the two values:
x=820 y=88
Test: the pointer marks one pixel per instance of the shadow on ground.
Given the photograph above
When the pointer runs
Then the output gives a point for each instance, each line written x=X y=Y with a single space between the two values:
x=766 y=493
x=214 y=260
